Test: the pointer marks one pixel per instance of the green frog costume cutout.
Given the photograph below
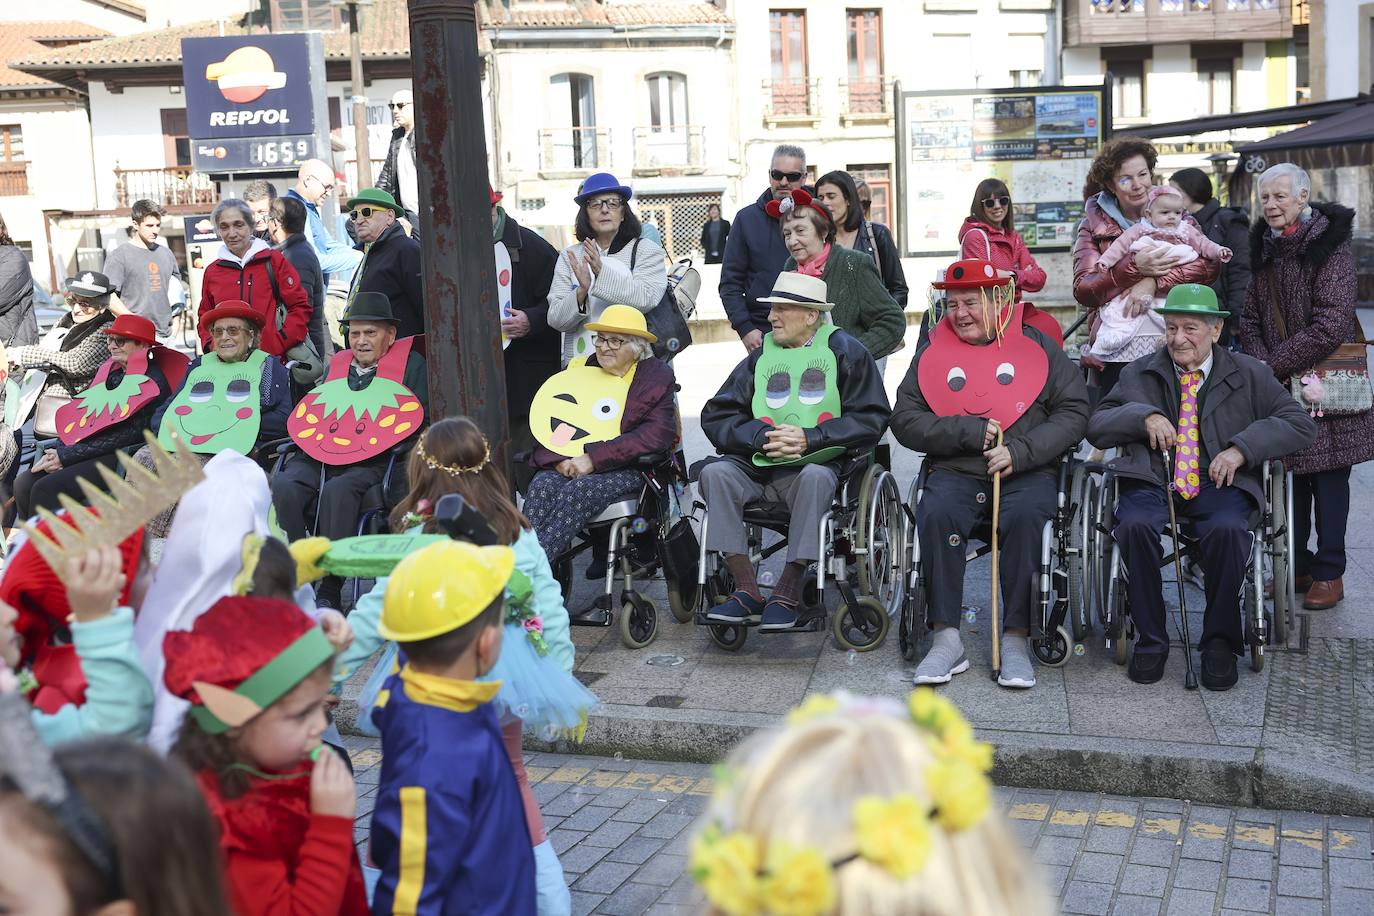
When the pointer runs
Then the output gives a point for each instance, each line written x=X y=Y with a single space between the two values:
x=99 y=407
x=797 y=386
x=219 y=407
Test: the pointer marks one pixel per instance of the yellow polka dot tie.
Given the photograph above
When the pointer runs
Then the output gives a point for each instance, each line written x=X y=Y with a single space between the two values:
x=1188 y=449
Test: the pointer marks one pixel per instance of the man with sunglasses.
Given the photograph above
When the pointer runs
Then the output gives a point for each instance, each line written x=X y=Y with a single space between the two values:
x=754 y=252
x=314 y=182
x=399 y=177
x=391 y=259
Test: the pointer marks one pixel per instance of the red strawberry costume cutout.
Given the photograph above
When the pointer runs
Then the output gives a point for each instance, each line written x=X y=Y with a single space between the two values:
x=98 y=407
x=336 y=425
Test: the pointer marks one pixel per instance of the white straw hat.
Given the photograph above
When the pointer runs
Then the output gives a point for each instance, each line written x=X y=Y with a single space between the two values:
x=792 y=288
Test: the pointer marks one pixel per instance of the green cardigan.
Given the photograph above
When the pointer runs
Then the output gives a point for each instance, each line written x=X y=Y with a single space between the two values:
x=863 y=306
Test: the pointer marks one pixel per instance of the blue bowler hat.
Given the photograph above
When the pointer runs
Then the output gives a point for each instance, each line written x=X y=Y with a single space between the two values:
x=600 y=183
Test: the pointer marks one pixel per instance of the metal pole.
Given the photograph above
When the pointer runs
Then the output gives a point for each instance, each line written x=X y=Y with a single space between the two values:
x=364 y=153
x=463 y=329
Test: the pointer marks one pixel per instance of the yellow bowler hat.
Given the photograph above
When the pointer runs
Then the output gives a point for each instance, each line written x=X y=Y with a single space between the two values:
x=442 y=587
x=622 y=319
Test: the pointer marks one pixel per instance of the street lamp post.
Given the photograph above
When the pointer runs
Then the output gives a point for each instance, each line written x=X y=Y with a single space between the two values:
x=462 y=324
x=360 y=141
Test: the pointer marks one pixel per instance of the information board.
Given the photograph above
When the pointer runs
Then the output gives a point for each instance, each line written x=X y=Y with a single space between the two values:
x=1039 y=141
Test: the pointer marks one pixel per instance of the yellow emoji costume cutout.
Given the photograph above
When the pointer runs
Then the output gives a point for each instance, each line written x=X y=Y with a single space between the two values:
x=579 y=406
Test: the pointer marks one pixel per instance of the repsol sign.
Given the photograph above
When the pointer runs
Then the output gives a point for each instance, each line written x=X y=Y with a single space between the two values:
x=252 y=85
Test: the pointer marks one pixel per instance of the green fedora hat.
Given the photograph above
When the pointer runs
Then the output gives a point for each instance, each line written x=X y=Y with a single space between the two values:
x=369 y=306
x=1192 y=299
x=377 y=198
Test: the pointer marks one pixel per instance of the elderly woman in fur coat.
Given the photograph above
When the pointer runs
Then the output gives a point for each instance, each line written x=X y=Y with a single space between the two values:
x=1300 y=307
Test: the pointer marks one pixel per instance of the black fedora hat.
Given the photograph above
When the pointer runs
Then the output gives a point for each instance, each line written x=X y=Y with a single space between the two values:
x=369 y=306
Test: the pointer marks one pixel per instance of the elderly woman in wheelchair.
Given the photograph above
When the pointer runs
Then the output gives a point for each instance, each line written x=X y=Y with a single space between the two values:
x=1200 y=421
x=986 y=397
x=783 y=420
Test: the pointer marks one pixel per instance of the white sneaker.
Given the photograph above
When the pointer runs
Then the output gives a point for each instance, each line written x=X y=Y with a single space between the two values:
x=1017 y=670
x=945 y=659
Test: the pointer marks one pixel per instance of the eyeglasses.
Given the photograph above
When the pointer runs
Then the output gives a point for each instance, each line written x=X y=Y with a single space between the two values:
x=324 y=188
x=779 y=175
x=394 y=106
x=366 y=213
x=610 y=343
x=613 y=204
x=232 y=331
x=83 y=302
x=997 y=201
x=121 y=341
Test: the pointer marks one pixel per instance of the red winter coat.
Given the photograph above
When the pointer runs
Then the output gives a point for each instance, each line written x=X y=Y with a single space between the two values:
x=1009 y=252
x=225 y=280
x=280 y=859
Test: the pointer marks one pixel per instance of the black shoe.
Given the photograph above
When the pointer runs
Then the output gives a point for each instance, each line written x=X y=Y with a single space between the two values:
x=1147 y=668
x=1218 y=666
x=598 y=615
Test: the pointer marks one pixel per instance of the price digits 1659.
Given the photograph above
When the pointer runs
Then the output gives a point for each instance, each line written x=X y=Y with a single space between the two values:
x=284 y=152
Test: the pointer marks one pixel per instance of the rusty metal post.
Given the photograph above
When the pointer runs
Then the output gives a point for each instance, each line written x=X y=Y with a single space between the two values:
x=462 y=325
x=362 y=149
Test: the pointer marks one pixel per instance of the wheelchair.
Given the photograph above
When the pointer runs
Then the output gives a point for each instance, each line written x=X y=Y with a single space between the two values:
x=863 y=550
x=643 y=536
x=1274 y=541
x=1058 y=584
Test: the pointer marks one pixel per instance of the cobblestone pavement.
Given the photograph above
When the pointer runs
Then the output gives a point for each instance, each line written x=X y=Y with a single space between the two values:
x=622 y=829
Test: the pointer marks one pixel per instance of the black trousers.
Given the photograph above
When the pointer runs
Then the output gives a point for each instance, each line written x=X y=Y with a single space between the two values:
x=1325 y=494
x=41 y=491
x=951 y=507
x=1220 y=519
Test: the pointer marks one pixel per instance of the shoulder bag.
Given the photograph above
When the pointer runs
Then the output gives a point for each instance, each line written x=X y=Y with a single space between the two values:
x=309 y=366
x=1344 y=374
x=665 y=320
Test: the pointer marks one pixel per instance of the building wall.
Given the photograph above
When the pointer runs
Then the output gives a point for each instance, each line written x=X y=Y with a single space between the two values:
x=1349 y=41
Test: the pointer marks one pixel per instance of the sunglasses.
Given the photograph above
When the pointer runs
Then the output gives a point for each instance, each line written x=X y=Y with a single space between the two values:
x=366 y=213
x=397 y=105
x=996 y=201
x=121 y=341
x=779 y=175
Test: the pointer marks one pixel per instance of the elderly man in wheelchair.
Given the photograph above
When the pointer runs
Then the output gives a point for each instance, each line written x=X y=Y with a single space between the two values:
x=784 y=420
x=987 y=396
x=1201 y=421
x=350 y=429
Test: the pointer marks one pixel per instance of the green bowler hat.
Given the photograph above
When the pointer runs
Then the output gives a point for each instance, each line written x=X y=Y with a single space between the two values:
x=1192 y=299
x=377 y=198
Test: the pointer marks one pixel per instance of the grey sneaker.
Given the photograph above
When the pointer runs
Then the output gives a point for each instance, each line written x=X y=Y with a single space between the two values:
x=1017 y=670
x=945 y=659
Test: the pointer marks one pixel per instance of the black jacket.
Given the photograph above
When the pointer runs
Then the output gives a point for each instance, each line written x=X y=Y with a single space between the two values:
x=754 y=255
x=888 y=258
x=1049 y=427
x=714 y=255
x=125 y=433
x=728 y=418
x=1228 y=226
x=531 y=359
x=1242 y=405
x=389 y=182
x=298 y=250
x=392 y=266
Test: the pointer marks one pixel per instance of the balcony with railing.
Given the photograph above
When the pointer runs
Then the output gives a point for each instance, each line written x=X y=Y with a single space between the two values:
x=866 y=99
x=572 y=152
x=674 y=150
x=1135 y=22
x=790 y=101
x=14 y=179
x=173 y=186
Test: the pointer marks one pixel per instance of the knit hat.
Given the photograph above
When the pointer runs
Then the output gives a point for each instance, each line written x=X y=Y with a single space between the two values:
x=240 y=657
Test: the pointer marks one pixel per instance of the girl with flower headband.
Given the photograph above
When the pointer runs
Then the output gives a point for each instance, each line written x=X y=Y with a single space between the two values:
x=863 y=805
x=535 y=667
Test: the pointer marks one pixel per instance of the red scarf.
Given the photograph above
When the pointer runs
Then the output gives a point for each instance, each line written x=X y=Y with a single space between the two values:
x=815 y=266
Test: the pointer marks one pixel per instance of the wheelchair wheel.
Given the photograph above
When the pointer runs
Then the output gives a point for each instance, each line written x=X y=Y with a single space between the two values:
x=638 y=621
x=1252 y=605
x=880 y=539
x=728 y=636
x=1081 y=568
x=1116 y=624
x=1102 y=543
x=912 y=622
x=862 y=627
x=1053 y=650
x=683 y=599
x=1280 y=538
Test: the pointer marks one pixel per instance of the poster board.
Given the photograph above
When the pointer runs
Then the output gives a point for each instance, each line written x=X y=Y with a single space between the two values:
x=1040 y=141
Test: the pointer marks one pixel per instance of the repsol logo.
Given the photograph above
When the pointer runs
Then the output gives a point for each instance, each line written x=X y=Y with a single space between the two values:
x=244 y=118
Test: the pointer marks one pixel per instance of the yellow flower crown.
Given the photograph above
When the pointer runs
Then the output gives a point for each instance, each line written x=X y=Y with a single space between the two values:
x=452 y=469
x=738 y=876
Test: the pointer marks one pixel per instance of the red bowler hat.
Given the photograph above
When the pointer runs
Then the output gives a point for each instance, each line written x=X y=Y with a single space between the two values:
x=496 y=195
x=232 y=308
x=133 y=327
x=970 y=274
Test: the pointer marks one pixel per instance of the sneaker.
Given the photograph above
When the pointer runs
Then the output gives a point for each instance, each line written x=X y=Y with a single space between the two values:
x=1017 y=670
x=945 y=659
x=740 y=607
x=1218 y=666
x=778 y=615
x=1147 y=668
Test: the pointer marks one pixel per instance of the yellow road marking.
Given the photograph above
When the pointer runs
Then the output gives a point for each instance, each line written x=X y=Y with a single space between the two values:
x=1341 y=840
x=675 y=784
x=602 y=779
x=704 y=786
x=1027 y=811
x=537 y=774
x=1205 y=831
x=1251 y=834
x=569 y=774
x=1167 y=825
x=639 y=780
x=1069 y=818
x=1312 y=839
x=366 y=758
x=1115 y=819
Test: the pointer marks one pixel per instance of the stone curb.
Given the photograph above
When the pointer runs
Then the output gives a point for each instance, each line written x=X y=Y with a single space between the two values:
x=1208 y=774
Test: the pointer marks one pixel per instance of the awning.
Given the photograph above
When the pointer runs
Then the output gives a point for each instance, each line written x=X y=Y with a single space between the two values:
x=1355 y=125
x=1269 y=117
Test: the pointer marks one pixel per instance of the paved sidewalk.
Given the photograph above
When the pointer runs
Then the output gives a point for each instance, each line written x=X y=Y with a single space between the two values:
x=623 y=827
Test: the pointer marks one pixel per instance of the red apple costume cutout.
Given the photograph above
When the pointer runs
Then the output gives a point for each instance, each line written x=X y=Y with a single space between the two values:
x=336 y=425
x=98 y=408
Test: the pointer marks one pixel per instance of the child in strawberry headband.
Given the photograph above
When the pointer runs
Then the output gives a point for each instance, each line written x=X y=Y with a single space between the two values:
x=256 y=672
x=862 y=805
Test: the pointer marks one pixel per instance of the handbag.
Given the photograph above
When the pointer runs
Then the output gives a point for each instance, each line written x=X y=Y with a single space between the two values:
x=45 y=413
x=307 y=367
x=1343 y=376
x=665 y=320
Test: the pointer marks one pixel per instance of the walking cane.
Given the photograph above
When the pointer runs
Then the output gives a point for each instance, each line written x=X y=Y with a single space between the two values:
x=996 y=581
x=1189 y=676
